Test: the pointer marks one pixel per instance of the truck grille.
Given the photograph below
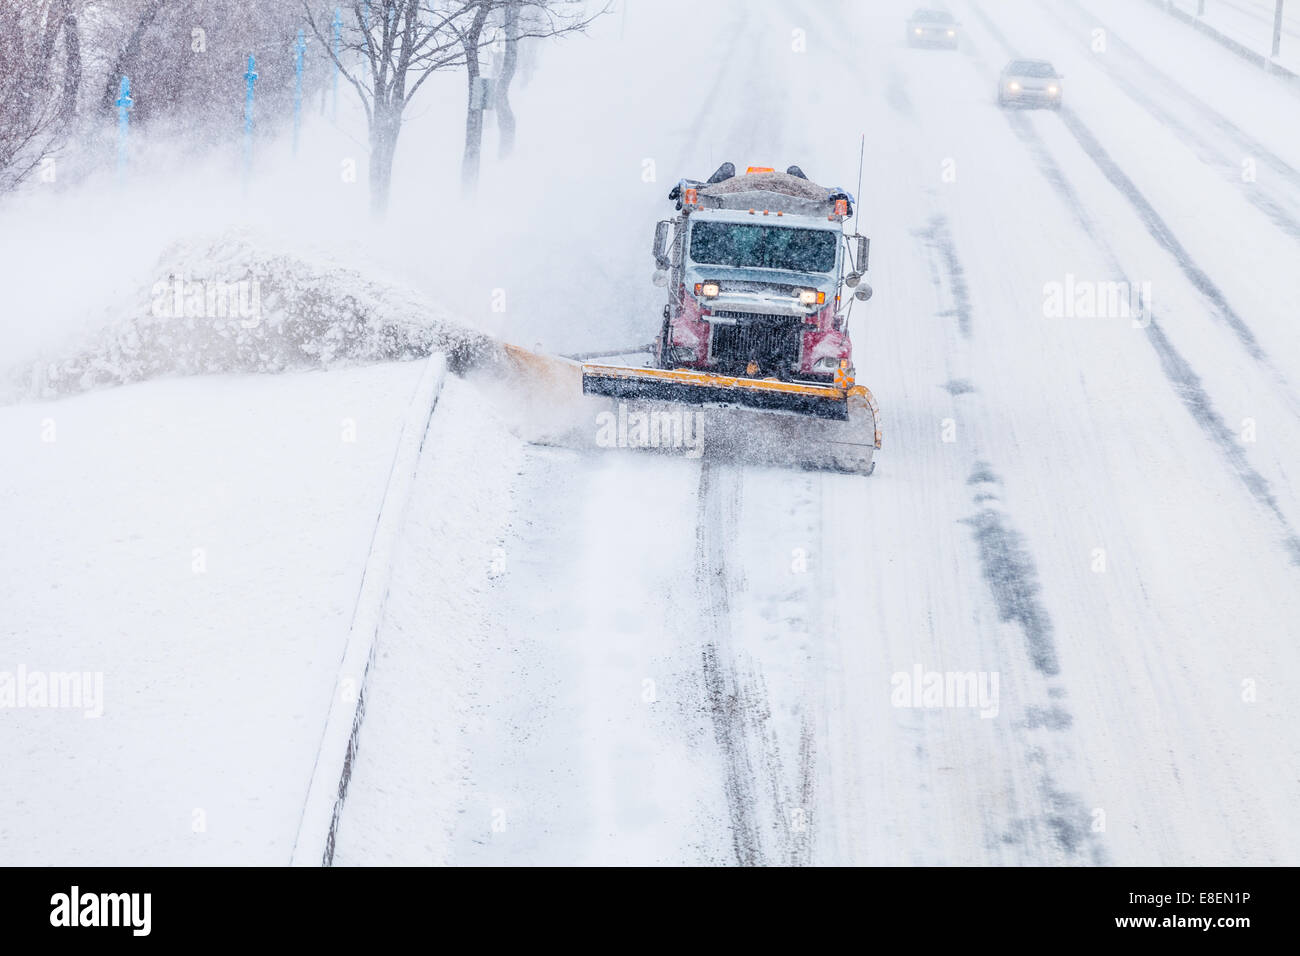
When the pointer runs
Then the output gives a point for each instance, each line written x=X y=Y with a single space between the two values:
x=770 y=340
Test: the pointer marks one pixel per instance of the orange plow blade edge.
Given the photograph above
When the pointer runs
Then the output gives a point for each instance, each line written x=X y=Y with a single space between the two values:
x=820 y=425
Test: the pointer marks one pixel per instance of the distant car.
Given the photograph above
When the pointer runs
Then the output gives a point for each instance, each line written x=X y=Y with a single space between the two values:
x=1029 y=83
x=932 y=28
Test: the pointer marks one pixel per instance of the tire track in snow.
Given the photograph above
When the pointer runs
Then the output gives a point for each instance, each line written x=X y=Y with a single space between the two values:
x=1012 y=576
x=1156 y=227
x=801 y=848
x=1160 y=231
x=939 y=237
x=896 y=93
x=771 y=821
x=1060 y=818
x=1010 y=572
x=1186 y=384
x=723 y=691
x=1276 y=211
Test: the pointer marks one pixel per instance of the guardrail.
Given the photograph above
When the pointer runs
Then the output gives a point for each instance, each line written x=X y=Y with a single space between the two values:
x=1236 y=46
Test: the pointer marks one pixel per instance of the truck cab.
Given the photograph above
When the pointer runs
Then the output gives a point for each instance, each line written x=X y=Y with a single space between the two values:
x=754 y=266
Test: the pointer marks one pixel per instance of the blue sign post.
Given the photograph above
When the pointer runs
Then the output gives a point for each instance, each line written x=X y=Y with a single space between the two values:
x=338 y=45
x=124 y=105
x=251 y=77
x=299 y=48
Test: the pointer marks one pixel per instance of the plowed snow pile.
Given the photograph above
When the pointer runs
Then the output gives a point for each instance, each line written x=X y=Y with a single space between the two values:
x=233 y=303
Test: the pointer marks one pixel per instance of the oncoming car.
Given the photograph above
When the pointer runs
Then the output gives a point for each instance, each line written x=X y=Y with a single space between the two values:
x=932 y=28
x=1029 y=83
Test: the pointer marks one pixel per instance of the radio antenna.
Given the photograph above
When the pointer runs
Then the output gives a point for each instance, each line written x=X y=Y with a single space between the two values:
x=857 y=210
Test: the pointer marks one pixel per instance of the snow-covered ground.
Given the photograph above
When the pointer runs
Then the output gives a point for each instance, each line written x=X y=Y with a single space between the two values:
x=195 y=545
x=608 y=656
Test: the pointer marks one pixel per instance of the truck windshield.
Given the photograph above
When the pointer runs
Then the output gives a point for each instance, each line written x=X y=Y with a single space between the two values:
x=763 y=247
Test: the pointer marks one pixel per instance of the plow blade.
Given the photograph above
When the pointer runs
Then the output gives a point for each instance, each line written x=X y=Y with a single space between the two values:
x=701 y=388
x=823 y=426
x=545 y=373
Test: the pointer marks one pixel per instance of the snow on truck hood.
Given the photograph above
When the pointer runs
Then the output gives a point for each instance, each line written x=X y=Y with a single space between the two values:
x=772 y=218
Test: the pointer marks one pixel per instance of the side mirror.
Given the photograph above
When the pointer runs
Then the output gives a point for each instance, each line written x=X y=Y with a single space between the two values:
x=864 y=251
x=661 y=244
x=660 y=278
x=852 y=279
x=862 y=292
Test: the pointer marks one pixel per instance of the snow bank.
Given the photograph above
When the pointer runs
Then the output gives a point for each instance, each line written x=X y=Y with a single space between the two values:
x=234 y=303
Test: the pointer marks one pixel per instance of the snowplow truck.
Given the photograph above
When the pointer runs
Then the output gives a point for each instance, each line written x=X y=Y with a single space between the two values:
x=760 y=273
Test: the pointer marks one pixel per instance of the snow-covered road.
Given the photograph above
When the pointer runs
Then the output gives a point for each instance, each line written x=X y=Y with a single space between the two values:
x=621 y=657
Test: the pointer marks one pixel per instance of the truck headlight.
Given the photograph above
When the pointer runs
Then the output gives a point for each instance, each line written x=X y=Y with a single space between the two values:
x=681 y=353
x=828 y=364
x=708 y=290
x=811 y=297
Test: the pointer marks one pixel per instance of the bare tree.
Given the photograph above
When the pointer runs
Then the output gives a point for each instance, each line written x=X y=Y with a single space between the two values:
x=400 y=44
x=61 y=63
x=506 y=76
x=187 y=59
x=40 y=75
x=518 y=20
x=472 y=40
x=128 y=55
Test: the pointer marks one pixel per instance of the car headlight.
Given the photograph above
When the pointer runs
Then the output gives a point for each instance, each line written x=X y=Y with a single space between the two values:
x=1013 y=86
x=952 y=33
x=1053 y=89
x=919 y=31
